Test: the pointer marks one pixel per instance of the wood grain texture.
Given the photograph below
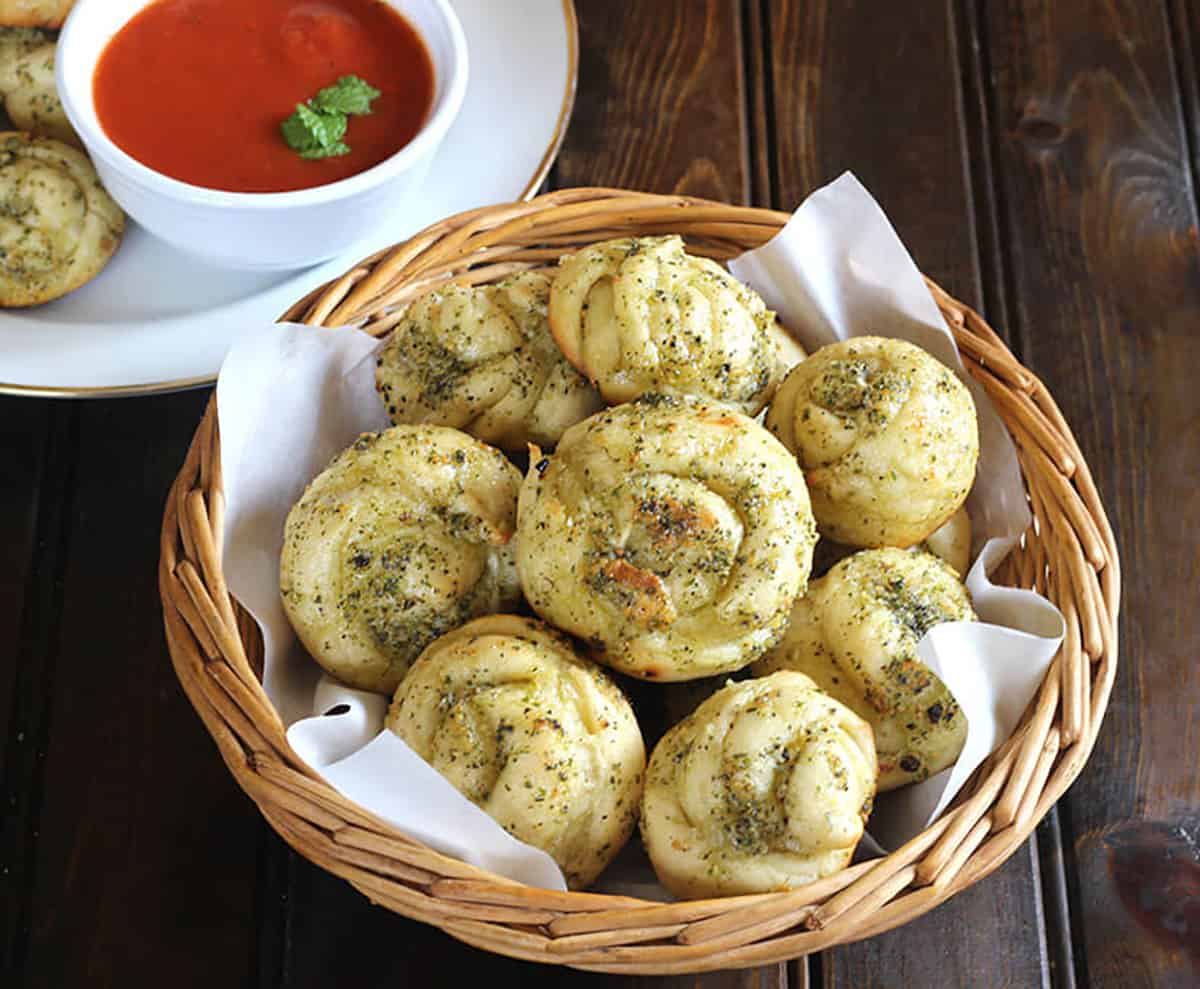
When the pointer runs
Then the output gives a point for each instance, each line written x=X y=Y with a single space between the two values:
x=35 y=473
x=24 y=436
x=661 y=103
x=146 y=850
x=1047 y=174
x=335 y=937
x=874 y=89
x=1101 y=229
x=878 y=89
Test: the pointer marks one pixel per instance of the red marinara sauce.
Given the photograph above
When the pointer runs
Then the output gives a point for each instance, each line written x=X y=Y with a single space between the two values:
x=197 y=89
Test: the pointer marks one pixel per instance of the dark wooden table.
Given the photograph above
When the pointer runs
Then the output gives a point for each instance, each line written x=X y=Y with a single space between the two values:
x=1037 y=156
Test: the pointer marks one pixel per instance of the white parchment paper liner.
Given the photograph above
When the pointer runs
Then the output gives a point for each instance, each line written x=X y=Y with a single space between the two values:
x=838 y=270
x=289 y=401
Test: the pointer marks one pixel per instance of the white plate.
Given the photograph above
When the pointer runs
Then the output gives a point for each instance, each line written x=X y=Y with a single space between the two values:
x=158 y=320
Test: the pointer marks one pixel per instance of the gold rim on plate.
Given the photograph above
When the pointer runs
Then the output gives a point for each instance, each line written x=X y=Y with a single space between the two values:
x=571 y=24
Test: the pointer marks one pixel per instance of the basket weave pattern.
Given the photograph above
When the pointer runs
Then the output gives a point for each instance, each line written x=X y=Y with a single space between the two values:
x=1068 y=555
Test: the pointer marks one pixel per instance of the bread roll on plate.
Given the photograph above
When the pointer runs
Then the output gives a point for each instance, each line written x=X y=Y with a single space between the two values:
x=58 y=227
x=539 y=738
x=856 y=633
x=765 y=786
x=671 y=534
x=31 y=95
x=16 y=41
x=403 y=537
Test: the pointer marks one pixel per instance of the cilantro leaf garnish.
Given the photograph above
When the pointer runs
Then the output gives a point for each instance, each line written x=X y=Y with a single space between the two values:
x=349 y=94
x=327 y=151
x=316 y=128
x=314 y=134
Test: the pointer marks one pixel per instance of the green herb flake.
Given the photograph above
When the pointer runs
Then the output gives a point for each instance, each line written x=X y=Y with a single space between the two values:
x=349 y=95
x=316 y=128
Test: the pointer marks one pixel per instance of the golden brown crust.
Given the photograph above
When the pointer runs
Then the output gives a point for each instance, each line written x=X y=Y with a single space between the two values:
x=856 y=632
x=58 y=227
x=541 y=739
x=765 y=786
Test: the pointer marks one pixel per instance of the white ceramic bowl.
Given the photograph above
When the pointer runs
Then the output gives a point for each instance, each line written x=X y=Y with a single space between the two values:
x=262 y=231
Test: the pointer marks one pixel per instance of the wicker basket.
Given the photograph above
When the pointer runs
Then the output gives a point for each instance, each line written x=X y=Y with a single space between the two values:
x=1069 y=555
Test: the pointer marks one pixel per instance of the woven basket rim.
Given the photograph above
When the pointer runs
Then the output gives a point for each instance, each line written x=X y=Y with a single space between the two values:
x=1069 y=555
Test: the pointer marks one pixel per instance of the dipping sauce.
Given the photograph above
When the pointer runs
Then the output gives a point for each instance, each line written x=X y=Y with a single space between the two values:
x=197 y=89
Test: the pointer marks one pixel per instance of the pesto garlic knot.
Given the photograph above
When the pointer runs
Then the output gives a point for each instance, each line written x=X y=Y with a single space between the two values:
x=766 y=786
x=58 y=227
x=671 y=535
x=481 y=359
x=856 y=633
x=27 y=85
x=404 y=536
x=886 y=435
x=640 y=315
x=539 y=738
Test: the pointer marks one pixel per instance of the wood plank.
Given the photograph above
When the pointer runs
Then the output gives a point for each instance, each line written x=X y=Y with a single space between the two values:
x=25 y=434
x=349 y=942
x=988 y=935
x=146 y=852
x=661 y=101
x=1184 y=26
x=1060 y=932
x=334 y=936
x=1101 y=222
x=875 y=89
x=879 y=89
x=37 y=439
